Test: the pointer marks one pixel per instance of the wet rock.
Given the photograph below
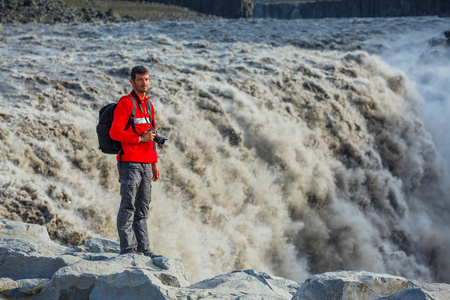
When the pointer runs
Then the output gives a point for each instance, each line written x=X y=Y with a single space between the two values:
x=447 y=34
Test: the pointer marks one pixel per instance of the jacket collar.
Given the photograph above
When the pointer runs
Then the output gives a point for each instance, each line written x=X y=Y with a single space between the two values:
x=135 y=96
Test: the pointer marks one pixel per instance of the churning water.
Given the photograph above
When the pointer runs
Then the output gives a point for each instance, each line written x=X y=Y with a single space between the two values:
x=295 y=147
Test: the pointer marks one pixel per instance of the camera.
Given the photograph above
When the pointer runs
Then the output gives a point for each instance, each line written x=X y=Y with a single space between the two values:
x=160 y=140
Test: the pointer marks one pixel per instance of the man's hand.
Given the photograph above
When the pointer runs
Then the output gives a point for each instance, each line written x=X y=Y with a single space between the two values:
x=155 y=171
x=148 y=136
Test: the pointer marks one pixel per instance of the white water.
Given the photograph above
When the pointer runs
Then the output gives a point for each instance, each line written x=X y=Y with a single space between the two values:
x=288 y=151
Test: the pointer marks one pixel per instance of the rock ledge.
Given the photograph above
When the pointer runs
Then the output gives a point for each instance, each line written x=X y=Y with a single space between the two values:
x=34 y=267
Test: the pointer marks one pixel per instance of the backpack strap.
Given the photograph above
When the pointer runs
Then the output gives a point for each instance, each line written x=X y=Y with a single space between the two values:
x=149 y=109
x=131 y=119
x=129 y=123
x=150 y=123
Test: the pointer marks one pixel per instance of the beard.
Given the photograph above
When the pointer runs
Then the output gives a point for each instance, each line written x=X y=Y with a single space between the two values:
x=141 y=89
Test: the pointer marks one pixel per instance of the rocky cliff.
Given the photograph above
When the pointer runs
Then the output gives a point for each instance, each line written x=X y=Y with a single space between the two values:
x=34 y=267
x=45 y=11
x=353 y=8
x=81 y=11
x=225 y=8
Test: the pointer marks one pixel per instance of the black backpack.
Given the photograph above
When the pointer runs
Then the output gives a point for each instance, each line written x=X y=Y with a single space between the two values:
x=105 y=119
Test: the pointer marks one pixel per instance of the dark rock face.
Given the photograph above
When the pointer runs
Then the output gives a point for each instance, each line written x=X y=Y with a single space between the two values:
x=447 y=34
x=224 y=8
x=353 y=8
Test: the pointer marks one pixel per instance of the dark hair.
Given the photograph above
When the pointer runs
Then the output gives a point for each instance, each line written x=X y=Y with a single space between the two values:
x=141 y=70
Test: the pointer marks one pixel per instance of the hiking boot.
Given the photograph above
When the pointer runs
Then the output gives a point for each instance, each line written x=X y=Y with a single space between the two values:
x=151 y=254
x=132 y=251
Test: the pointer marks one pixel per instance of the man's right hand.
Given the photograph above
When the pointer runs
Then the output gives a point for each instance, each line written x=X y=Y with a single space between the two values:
x=148 y=136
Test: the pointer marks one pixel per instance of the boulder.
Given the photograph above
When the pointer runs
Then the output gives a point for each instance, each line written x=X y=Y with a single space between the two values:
x=360 y=285
x=22 y=259
x=418 y=290
x=24 y=231
x=350 y=285
x=447 y=34
x=121 y=277
x=113 y=14
x=7 y=284
x=24 y=287
x=249 y=284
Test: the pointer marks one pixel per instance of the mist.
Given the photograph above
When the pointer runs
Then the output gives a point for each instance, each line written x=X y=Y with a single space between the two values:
x=295 y=147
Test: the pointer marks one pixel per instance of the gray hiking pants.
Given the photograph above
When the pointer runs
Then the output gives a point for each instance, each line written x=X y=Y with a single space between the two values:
x=135 y=190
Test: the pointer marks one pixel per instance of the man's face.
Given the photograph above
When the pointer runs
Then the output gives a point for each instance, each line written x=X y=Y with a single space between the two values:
x=142 y=83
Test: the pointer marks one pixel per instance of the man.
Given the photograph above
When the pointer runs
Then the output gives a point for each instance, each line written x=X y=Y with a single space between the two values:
x=137 y=164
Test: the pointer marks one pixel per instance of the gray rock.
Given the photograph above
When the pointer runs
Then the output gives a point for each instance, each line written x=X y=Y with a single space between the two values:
x=349 y=285
x=245 y=284
x=113 y=14
x=94 y=270
x=98 y=245
x=92 y=256
x=95 y=249
x=365 y=285
x=7 y=284
x=417 y=290
x=21 y=259
x=24 y=287
x=122 y=277
x=24 y=231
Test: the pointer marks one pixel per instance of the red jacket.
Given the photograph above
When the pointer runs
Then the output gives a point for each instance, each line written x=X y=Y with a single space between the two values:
x=133 y=150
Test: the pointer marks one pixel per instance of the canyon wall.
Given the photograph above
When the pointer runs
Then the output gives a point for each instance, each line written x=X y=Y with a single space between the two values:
x=353 y=8
x=233 y=9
